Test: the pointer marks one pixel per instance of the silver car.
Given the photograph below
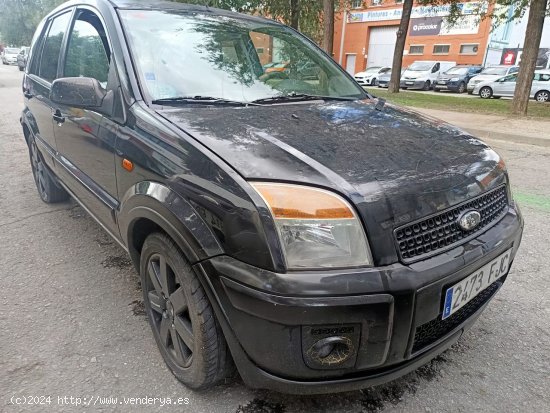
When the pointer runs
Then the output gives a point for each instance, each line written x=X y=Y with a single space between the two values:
x=489 y=74
x=506 y=86
x=370 y=76
x=9 y=55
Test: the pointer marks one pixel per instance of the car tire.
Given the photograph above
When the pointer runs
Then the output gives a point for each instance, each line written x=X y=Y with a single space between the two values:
x=542 y=96
x=427 y=85
x=461 y=87
x=485 y=92
x=48 y=188
x=404 y=88
x=21 y=68
x=470 y=92
x=374 y=82
x=184 y=325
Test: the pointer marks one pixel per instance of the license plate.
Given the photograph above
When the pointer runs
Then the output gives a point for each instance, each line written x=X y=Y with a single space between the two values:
x=409 y=83
x=441 y=82
x=464 y=291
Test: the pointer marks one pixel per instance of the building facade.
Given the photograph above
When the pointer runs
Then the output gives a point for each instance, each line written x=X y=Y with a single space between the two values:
x=366 y=35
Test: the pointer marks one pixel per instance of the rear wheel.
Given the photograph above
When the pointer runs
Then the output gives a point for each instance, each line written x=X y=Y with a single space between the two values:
x=48 y=189
x=486 y=92
x=462 y=87
x=182 y=319
x=542 y=96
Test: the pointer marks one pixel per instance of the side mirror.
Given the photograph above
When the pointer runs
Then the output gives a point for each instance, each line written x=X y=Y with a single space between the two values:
x=80 y=92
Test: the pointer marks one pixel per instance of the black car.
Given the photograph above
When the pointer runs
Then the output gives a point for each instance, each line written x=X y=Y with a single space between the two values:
x=456 y=78
x=317 y=238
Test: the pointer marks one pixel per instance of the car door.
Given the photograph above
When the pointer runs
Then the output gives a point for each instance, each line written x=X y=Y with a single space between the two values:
x=86 y=137
x=507 y=86
x=37 y=84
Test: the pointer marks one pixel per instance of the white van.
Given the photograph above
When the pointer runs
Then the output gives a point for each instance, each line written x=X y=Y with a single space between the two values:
x=422 y=74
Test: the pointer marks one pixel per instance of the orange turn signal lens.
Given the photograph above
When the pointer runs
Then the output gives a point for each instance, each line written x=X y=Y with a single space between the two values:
x=128 y=165
x=302 y=202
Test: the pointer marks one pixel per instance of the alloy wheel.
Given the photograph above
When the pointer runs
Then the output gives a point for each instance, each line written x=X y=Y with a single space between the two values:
x=169 y=311
x=485 y=92
x=542 y=96
x=38 y=171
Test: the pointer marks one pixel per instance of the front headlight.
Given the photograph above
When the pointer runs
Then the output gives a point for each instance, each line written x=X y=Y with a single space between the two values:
x=317 y=228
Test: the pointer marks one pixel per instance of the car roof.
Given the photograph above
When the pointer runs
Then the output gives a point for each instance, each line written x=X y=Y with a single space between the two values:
x=184 y=7
x=167 y=5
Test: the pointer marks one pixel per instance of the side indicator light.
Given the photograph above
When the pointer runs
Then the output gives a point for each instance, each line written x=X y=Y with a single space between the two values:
x=128 y=165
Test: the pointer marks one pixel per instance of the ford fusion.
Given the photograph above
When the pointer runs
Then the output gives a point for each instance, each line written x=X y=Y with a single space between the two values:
x=285 y=223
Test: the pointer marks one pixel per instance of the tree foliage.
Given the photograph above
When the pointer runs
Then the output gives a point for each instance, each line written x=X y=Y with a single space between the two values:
x=19 y=18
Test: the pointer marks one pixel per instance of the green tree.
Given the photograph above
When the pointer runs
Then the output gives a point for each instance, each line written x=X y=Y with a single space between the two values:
x=19 y=18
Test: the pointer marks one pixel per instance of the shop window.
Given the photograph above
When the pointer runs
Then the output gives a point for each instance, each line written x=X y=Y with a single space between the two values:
x=416 y=49
x=468 y=48
x=357 y=4
x=376 y=2
x=441 y=48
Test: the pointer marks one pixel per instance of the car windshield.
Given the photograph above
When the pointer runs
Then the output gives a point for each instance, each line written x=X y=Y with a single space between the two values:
x=494 y=71
x=199 y=55
x=372 y=69
x=421 y=66
x=457 y=71
x=11 y=50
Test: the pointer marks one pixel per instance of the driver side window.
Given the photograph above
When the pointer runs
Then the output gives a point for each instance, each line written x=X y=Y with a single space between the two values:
x=88 y=53
x=510 y=78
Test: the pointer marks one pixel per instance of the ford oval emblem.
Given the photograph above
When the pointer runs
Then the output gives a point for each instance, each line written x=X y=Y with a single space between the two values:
x=469 y=220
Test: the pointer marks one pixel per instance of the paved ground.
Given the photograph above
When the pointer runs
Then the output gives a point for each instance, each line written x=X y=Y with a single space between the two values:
x=72 y=324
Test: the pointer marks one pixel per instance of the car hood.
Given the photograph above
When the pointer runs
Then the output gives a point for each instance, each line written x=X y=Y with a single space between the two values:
x=394 y=164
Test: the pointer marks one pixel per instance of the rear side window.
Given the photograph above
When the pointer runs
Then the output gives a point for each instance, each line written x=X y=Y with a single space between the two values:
x=52 y=47
x=88 y=52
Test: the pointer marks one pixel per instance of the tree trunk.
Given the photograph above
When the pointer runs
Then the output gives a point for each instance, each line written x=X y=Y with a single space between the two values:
x=393 y=87
x=531 y=45
x=328 y=25
x=294 y=13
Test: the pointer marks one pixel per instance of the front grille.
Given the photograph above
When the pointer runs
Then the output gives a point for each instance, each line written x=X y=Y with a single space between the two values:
x=440 y=232
x=432 y=331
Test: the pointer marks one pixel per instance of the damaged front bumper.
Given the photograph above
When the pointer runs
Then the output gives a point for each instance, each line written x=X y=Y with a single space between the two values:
x=279 y=327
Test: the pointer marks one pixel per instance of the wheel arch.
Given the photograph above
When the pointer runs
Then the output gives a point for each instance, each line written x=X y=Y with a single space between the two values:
x=149 y=207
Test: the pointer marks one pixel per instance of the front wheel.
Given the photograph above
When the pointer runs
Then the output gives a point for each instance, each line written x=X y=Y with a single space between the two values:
x=182 y=319
x=427 y=85
x=486 y=92
x=542 y=96
x=462 y=87
x=374 y=82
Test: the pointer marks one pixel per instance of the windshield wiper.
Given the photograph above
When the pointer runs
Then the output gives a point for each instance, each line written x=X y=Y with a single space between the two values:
x=198 y=99
x=298 y=97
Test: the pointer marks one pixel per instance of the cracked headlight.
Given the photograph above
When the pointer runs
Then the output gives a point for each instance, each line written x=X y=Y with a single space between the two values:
x=316 y=228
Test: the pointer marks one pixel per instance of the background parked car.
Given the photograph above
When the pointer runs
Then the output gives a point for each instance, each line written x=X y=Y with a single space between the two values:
x=456 y=78
x=9 y=56
x=422 y=74
x=506 y=86
x=22 y=58
x=491 y=73
x=384 y=79
x=371 y=75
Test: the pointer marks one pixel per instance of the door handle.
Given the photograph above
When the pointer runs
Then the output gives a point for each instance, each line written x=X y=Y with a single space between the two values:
x=58 y=117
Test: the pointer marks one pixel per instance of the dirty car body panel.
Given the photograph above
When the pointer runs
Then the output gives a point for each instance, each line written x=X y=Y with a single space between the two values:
x=193 y=170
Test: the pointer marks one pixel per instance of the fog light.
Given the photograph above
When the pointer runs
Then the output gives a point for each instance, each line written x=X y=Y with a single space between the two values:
x=330 y=346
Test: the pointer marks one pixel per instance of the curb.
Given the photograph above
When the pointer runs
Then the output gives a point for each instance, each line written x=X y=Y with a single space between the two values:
x=530 y=140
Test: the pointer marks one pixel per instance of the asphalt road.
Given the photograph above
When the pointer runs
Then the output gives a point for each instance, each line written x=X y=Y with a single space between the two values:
x=72 y=324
